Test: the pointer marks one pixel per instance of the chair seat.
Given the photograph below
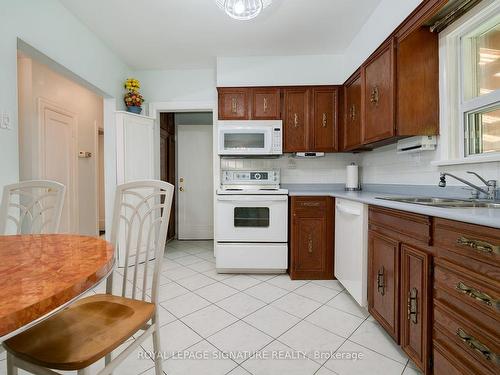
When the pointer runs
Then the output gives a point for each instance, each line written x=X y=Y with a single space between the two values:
x=83 y=333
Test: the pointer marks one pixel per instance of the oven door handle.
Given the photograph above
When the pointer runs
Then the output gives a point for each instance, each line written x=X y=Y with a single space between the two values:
x=252 y=198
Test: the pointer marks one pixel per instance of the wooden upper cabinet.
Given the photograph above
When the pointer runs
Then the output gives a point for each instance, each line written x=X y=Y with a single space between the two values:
x=418 y=83
x=351 y=124
x=296 y=107
x=266 y=103
x=416 y=293
x=324 y=119
x=383 y=282
x=233 y=103
x=378 y=95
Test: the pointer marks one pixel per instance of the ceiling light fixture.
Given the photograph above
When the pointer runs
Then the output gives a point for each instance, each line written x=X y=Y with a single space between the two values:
x=243 y=10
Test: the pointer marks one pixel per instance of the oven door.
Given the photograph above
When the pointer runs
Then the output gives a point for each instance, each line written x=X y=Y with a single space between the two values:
x=245 y=140
x=252 y=218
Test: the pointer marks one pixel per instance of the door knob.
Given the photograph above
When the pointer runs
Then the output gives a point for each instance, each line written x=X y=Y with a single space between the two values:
x=181 y=188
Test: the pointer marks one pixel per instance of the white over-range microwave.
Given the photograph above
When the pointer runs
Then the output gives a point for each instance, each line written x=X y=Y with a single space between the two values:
x=250 y=137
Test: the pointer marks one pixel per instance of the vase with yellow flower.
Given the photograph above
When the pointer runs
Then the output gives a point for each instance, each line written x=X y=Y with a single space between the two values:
x=133 y=98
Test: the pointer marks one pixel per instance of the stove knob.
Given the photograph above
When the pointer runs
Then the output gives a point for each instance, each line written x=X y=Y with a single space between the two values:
x=257 y=176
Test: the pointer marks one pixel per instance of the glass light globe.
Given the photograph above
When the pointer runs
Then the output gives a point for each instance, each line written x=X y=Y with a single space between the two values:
x=243 y=9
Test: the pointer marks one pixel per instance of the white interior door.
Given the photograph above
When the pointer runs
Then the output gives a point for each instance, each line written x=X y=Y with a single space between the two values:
x=58 y=159
x=194 y=182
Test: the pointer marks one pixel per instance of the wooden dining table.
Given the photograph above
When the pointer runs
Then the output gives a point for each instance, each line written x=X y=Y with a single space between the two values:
x=41 y=274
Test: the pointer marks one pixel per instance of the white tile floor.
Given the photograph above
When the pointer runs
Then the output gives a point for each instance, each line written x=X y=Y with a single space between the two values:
x=286 y=326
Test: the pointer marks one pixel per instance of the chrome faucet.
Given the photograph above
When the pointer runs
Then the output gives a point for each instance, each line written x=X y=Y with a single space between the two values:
x=491 y=185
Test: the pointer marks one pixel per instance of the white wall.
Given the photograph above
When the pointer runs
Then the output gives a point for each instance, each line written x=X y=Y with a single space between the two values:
x=189 y=85
x=51 y=29
x=88 y=108
x=280 y=70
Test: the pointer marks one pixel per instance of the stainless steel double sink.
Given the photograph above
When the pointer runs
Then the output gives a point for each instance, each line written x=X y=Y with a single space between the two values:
x=445 y=202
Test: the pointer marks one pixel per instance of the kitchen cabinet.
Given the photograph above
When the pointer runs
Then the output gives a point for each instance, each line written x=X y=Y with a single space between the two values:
x=234 y=103
x=324 y=119
x=399 y=279
x=415 y=293
x=296 y=129
x=466 y=305
x=351 y=124
x=383 y=282
x=417 y=83
x=311 y=238
x=266 y=103
x=377 y=92
x=310 y=119
x=448 y=277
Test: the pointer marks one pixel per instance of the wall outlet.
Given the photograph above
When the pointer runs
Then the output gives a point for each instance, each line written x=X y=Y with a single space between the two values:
x=292 y=163
x=5 y=122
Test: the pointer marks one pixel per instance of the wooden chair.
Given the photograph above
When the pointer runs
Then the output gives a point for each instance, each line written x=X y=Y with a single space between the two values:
x=32 y=207
x=94 y=326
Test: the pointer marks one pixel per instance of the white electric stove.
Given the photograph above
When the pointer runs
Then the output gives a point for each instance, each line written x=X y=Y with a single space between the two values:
x=251 y=223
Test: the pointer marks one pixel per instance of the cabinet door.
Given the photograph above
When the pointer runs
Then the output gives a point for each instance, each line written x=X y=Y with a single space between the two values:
x=266 y=103
x=383 y=276
x=415 y=295
x=233 y=103
x=296 y=119
x=311 y=238
x=352 y=114
x=378 y=95
x=418 y=84
x=324 y=119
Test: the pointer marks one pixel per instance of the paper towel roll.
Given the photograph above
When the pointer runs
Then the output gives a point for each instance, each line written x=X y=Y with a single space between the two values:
x=352 y=180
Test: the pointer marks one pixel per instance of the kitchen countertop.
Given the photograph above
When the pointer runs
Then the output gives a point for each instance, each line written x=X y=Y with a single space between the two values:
x=483 y=216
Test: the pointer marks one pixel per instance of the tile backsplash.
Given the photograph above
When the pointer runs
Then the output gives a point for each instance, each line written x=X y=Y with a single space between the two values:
x=329 y=169
x=381 y=166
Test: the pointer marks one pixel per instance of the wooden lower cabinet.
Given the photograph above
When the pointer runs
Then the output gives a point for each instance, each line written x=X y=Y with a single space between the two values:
x=311 y=238
x=434 y=286
x=415 y=338
x=383 y=282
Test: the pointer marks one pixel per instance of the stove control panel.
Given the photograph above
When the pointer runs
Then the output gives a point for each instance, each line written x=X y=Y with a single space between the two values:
x=234 y=177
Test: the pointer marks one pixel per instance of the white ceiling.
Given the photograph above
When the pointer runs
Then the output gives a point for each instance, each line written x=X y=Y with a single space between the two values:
x=176 y=34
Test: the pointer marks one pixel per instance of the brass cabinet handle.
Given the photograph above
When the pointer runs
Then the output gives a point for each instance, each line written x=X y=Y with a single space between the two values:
x=413 y=305
x=478 y=346
x=478 y=245
x=325 y=120
x=352 y=112
x=265 y=104
x=296 y=120
x=234 y=105
x=381 y=281
x=374 y=96
x=310 y=244
x=478 y=295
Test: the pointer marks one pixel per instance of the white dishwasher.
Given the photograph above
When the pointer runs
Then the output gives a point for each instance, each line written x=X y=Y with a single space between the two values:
x=351 y=247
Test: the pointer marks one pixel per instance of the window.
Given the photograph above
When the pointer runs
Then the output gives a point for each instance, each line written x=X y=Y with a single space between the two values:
x=469 y=55
x=481 y=87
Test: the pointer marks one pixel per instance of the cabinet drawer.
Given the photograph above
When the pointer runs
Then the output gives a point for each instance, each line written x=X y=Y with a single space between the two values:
x=450 y=360
x=469 y=289
x=310 y=203
x=411 y=225
x=466 y=339
x=472 y=246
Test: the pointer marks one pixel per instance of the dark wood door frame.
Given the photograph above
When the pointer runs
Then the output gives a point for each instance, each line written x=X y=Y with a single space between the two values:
x=167 y=162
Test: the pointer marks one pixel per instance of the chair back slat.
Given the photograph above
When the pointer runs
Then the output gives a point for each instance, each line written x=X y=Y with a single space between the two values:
x=31 y=207
x=140 y=223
